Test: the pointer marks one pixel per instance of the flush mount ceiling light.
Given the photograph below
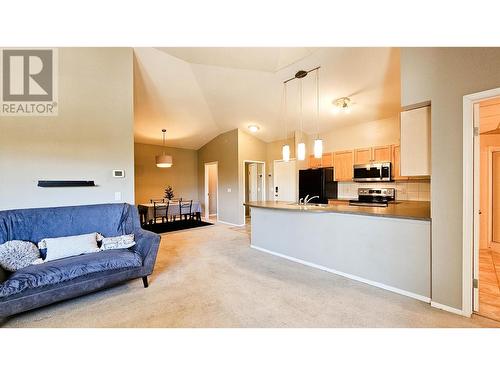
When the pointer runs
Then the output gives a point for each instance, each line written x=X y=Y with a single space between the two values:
x=164 y=160
x=253 y=128
x=342 y=105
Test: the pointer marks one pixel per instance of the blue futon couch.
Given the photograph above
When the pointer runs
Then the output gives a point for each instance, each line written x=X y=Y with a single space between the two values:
x=43 y=284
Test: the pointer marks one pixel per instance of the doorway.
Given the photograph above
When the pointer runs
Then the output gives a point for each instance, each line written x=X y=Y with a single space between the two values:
x=285 y=181
x=254 y=184
x=212 y=191
x=481 y=260
x=487 y=301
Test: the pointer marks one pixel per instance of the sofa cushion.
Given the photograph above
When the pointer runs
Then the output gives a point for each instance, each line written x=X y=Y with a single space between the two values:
x=66 y=269
x=120 y=242
x=16 y=254
x=63 y=247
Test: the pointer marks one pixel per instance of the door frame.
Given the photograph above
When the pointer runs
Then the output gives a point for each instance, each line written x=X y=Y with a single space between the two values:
x=207 y=199
x=295 y=174
x=263 y=183
x=470 y=213
x=491 y=150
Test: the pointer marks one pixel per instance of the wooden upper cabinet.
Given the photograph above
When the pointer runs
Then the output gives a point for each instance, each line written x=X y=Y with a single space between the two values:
x=327 y=160
x=381 y=153
x=362 y=155
x=313 y=162
x=343 y=162
x=396 y=163
x=372 y=154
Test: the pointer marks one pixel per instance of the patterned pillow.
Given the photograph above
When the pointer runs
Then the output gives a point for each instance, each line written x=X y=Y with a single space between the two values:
x=119 y=242
x=15 y=255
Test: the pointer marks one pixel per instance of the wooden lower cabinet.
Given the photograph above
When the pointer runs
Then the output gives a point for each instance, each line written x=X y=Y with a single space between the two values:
x=343 y=163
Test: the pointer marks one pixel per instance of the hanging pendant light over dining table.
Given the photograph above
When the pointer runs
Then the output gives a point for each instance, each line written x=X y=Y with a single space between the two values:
x=164 y=160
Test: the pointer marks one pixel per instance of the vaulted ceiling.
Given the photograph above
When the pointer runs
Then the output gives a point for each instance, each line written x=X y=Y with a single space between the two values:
x=198 y=93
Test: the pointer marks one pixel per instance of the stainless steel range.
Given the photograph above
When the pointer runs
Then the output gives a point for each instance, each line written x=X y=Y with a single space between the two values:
x=380 y=197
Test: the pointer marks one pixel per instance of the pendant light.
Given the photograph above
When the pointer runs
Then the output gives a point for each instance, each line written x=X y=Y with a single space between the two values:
x=318 y=142
x=301 y=147
x=164 y=160
x=285 y=151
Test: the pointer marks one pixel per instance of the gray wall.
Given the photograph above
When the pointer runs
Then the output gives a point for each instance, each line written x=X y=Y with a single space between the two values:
x=151 y=181
x=224 y=150
x=444 y=76
x=91 y=136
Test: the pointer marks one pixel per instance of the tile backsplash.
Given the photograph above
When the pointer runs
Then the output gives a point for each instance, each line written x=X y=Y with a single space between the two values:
x=405 y=190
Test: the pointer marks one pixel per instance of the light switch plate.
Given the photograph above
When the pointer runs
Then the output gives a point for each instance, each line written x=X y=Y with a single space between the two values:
x=228 y=190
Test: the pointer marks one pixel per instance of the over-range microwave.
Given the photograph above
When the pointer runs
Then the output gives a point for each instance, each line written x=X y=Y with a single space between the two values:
x=372 y=172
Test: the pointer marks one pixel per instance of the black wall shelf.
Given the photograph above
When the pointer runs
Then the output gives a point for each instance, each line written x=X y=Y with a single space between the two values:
x=56 y=183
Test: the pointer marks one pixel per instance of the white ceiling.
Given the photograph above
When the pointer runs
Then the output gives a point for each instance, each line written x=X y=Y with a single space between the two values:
x=198 y=93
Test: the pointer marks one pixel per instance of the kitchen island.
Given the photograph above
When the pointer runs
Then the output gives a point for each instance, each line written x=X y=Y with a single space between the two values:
x=388 y=247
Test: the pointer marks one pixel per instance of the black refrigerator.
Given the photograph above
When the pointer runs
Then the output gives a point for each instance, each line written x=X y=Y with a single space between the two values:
x=318 y=181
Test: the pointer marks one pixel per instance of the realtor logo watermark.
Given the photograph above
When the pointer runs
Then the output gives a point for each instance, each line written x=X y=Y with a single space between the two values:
x=28 y=82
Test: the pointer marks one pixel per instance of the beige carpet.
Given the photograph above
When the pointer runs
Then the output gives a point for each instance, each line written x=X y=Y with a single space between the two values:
x=209 y=277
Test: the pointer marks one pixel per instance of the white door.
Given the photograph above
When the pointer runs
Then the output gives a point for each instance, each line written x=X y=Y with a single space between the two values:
x=252 y=182
x=285 y=184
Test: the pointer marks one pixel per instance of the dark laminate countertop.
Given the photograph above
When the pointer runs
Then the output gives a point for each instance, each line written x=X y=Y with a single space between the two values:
x=413 y=210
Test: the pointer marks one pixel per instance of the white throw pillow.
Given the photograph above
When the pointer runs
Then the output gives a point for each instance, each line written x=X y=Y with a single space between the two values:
x=63 y=247
x=119 y=242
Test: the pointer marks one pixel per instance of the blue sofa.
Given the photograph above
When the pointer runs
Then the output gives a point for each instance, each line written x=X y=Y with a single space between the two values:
x=43 y=284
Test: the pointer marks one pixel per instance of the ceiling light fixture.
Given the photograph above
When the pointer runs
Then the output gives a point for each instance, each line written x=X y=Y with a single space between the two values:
x=253 y=128
x=342 y=105
x=318 y=142
x=164 y=160
x=301 y=146
x=285 y=150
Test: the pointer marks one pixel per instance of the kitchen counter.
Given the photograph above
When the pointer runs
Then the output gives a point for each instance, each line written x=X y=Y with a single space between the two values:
x=412 y=210
x=387 y=247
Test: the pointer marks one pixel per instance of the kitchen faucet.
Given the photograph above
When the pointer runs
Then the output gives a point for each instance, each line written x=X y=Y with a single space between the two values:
x=306 y=200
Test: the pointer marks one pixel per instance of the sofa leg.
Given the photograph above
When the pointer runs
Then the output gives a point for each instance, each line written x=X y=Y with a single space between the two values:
x=145 y=281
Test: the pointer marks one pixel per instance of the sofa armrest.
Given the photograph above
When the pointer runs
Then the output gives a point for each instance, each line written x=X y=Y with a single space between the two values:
x=146 y=245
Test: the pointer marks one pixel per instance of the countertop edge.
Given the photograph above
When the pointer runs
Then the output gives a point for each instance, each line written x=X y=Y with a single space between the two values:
x=332 y=211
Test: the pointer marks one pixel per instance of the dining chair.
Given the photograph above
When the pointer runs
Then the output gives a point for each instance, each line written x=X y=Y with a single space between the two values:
x=186 y=206
x=160 y=210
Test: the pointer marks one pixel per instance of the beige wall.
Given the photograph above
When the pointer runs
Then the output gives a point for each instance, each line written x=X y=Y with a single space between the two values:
x=368 y=134
x=224 y=150
x=151 y=181
x=91 y=136
x=444 y=76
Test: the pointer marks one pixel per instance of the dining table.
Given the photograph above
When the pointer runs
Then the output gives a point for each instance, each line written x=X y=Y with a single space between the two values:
x=173 y=209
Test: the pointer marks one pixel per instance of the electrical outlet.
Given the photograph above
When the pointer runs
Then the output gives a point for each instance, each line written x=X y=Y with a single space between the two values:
x=118 y=195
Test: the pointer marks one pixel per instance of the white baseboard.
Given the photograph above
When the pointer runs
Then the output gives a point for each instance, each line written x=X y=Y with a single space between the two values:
x=449 y=309
x=349 y=276
x=231 y=224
